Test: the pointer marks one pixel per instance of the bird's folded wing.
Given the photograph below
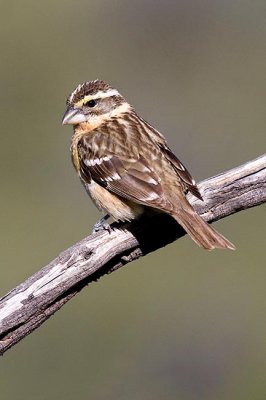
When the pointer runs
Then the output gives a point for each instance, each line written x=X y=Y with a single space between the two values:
x=185 y=177
x=130 y=178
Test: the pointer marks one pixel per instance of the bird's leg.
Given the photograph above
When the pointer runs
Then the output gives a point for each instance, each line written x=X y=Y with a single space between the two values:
x=102 y=225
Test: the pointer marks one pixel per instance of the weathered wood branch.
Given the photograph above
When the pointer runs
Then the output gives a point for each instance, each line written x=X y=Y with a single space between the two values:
x=28 y=305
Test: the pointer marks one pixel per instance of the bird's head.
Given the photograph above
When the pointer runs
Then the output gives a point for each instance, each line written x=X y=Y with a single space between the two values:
x=92 y=103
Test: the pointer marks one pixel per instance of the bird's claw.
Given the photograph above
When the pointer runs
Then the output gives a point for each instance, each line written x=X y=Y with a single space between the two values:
x=102 y=225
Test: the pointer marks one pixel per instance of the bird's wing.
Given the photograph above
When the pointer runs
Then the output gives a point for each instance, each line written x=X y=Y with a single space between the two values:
x=125 y=174
x=185 y=177
x=159 y=140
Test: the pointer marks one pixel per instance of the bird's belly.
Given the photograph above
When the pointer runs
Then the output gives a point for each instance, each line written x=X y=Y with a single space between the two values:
x=119 y=208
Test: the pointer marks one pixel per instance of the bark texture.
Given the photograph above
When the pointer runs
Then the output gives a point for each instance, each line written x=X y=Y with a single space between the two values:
x=28 y=305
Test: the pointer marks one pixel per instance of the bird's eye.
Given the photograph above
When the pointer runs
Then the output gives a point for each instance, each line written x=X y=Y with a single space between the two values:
x=90 y=103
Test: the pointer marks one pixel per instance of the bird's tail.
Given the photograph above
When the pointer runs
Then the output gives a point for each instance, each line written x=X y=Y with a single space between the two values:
x=201 y=232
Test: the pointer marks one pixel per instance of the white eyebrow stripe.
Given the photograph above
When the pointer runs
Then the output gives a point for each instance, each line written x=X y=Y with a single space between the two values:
x=101 y=95
x=108 y=93
x=98 y=95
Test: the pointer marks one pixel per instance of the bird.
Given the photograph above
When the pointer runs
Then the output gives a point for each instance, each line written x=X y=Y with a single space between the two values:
x=126 y=165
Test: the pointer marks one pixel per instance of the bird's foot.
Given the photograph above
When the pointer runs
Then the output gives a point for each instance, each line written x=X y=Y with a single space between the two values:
x=102 y=225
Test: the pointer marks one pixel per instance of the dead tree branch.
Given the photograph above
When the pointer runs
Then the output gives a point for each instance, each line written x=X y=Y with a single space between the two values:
x=28 y=305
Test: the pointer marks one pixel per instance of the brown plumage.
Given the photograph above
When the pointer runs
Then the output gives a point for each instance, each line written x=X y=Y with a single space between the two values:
x=126 y=165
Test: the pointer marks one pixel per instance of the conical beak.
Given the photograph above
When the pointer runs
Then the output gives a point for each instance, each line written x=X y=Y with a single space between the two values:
x=73 y=116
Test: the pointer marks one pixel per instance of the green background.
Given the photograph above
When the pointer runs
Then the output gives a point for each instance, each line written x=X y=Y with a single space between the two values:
x=180 y=323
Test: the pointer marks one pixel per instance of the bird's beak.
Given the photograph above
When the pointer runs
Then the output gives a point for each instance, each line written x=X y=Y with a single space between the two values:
x=73 y=116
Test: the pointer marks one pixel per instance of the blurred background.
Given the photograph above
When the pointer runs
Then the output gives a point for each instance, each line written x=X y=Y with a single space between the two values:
x=181 y=323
